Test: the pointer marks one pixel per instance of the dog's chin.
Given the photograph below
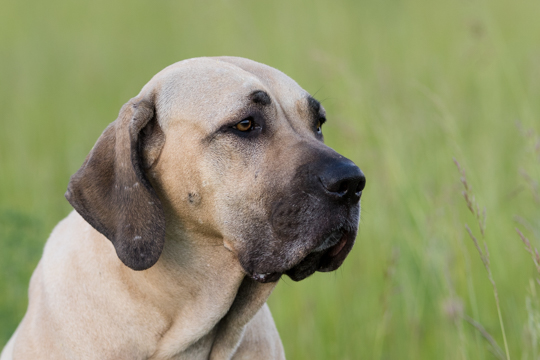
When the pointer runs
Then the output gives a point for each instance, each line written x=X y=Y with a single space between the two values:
x=328 y=256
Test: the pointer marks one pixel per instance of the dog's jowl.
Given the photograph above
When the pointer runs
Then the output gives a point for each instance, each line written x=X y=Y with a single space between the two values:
x=212 y=184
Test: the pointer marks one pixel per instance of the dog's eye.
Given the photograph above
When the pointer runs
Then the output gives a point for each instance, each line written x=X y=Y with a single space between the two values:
x=320 y=123
x=245 y=125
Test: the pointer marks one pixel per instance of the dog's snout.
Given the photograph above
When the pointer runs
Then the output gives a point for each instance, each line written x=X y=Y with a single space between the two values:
x=343 y=180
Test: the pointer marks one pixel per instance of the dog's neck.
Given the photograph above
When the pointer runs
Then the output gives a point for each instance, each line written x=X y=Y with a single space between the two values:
x=201 y=290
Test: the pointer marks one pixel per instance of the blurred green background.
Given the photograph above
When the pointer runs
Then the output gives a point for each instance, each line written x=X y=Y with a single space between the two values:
x=407 y=85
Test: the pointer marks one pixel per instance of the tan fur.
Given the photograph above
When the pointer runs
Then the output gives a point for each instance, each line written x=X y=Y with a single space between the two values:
x=196 y=301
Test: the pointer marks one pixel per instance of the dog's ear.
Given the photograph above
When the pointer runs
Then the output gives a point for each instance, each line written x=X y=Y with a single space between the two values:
x=111 y=191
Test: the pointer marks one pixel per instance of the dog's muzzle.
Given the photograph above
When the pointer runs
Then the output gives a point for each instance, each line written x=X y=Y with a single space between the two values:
x=326 y=219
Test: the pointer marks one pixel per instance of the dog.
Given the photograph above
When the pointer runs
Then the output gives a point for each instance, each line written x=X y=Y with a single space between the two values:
x=210 y=185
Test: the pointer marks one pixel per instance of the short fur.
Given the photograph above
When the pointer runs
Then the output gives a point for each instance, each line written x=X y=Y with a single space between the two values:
x=184 y=224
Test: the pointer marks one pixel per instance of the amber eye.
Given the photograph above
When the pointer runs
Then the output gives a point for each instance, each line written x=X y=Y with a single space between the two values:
x=244 y=125
x=319 y=126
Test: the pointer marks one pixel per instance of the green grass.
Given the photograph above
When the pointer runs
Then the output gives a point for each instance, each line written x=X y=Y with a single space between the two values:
x=407 y=85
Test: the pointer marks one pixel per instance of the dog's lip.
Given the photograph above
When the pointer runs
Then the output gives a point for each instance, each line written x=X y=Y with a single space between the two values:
x=335 y=250
x=334 y=257
x=330 y=258
x=330 y=240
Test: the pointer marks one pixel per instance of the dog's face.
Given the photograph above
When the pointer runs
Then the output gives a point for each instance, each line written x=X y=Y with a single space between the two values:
x=233 y=149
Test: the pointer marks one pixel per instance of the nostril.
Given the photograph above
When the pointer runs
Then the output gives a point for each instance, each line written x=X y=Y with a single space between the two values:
x=340 y=187
x=361 y=185
x=343 y=188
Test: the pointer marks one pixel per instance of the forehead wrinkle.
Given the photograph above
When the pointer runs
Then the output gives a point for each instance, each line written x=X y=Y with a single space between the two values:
x=288 y=120
x=274 y=79
x=208 y=95
x=297 y=113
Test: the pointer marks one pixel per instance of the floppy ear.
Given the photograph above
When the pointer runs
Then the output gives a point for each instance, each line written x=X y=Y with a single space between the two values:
x=111 y=191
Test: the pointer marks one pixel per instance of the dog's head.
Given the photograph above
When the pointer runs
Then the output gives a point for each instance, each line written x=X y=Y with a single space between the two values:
x=229 y=148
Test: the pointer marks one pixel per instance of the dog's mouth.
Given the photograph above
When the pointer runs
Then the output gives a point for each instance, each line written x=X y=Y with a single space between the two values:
x=331 y=240
x=327 y=256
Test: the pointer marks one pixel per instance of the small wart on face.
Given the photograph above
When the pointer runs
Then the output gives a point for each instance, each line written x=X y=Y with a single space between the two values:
x=194 y=198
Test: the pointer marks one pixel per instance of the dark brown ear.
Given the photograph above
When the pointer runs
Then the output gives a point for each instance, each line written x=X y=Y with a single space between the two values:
x=111 y=191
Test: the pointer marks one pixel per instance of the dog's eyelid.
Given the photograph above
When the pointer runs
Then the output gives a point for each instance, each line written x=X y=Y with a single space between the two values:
x=232 y=127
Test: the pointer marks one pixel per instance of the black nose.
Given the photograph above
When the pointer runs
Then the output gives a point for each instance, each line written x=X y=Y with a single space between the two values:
x=343 y=180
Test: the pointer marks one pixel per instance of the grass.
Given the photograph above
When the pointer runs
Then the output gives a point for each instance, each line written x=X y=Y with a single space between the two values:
x=407 y=85
x=474 y=208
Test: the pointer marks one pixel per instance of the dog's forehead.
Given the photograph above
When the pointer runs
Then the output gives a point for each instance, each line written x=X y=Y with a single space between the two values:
x=214 y=88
